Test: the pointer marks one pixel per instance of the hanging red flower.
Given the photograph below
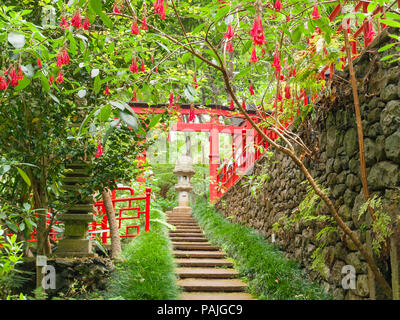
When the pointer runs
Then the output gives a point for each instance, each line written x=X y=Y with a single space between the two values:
x=60 y=77
x=253 y=57
x=278 y=5
x=51 y=80
x=64 y=23
x=134 y=27
x=60 y=60
x=315 y=13
x=65 y=57
x=143 y=67
x=287 y=92
x=244 y=105
x=3 y=83
x=229 y=46
x=116 y=9
x=279 y=96
x=229 y=34
x=134 y=98
x=86 y=23
x=232 y=105
x=294 y=72
x=277 y=62
x=251 y=89
x=99 y=152
x=257 y=32
x=134 y=67
x=14 y=78
x=143 y=26
x=107 y=91
x=195 y=85
x=159 y=8
x=171 y=99
x=39 y=63
x=369 y=36
x=76 y=20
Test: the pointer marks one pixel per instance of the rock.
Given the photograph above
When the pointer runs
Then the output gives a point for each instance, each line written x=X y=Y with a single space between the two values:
x=353 y=259
x=371 y=151
x=390 y=117
x=350 y=141
x=392 y=146
x=382 y=175
x=331 y=142
x=345 y=213
x=374 y=115
x=336 y=273
x=354 y=165
x=338 y=294
x=352 y=181
x=389 y=93
x=362 y=285
x=338 y=190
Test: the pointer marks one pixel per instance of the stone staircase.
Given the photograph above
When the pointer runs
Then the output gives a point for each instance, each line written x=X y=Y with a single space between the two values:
x=204 y=271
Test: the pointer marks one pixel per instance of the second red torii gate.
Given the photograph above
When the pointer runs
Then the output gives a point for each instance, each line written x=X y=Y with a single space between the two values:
x=214 y=127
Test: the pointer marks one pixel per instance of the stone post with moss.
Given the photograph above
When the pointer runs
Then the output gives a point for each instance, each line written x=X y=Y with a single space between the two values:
x=78 y=214
x=184 y=170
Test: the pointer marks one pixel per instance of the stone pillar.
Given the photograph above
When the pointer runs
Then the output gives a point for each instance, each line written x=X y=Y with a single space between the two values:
x=214 y=163
x=78 y=214
x=184 y=170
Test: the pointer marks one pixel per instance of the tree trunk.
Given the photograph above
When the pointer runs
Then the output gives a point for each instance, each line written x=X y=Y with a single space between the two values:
x=112 y=222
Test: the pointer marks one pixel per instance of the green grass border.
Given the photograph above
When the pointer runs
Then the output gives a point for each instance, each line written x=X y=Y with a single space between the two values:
x=269 y=274
x=146 y=270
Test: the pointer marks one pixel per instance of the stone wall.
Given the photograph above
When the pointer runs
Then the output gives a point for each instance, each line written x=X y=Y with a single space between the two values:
x=336 y=166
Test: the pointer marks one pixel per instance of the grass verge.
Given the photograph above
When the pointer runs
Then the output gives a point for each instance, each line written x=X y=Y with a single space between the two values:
x=269 y=274
x=147 y=268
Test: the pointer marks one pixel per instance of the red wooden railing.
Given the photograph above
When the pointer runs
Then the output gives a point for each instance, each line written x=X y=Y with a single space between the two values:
x=139 y=204
x=132 y=204
x=242 y=159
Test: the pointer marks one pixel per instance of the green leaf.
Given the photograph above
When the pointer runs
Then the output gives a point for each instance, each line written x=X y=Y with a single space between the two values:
x=387 y=57
x=105 y=113
x=16 y=39
x=129 y=119
x=391 y=23
x=12 y=226
x=221 y=13
x=296 y=34
x=24 y=176
x=388 y=46
x=22 y=84
x=45 y=83
x=154 y=121
x=97 y=85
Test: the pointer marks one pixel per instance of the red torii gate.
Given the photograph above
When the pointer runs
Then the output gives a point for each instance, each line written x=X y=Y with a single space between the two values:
x=239 y=133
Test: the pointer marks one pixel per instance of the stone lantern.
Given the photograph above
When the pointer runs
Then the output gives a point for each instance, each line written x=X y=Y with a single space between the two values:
x=184 y=170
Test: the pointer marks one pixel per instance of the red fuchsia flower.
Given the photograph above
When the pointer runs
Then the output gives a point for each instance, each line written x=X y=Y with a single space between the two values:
x=39 y=63
x=143 y=67
x=318 y=30
x=315 y=13
x=134 y=67
x=232 y=105
x=229 y=46
x=3 y=83
x=159 y=8
x=134 y=98
x=279 y=96
x=229 y=34
x=51 y=80
x=156 y=70
x=134 y=27
x=64 y=23
x=14 y=78
x=253 y=57
x=143 y=26
x=257 y=32
x=171 y=99
x=60 y=77
x=278 y=5
x=223 y=4
x=325 y=52
x=60 y=60
x=65 y=57
x=99 y=152
x=370 y=33
x=277 y=63
x=251 y=89
x=76 y=20
x=294 y=72
x=287 y=18
x=107 y=91
x=20 y=75
x=287 y=92
x=244 y=105
x=195 y=85
x=86 y=23
x=116 y=9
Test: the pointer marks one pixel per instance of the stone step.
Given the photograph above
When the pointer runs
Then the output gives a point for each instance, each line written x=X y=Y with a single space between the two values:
x=180 y=229
x=215 y=296
x=188 y=239
x=193 y=246
x=191 y=262
x=198 y=254
x=183 y=234
x=208 y=273
x=185 y=225
x=182 y=221
x=215 y=285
